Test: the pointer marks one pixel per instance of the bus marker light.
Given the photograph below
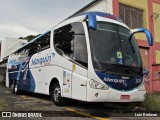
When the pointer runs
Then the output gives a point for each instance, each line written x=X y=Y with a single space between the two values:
x=73 y=67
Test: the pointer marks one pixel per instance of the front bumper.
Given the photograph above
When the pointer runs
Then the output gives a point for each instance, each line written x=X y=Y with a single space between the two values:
x=111 y=95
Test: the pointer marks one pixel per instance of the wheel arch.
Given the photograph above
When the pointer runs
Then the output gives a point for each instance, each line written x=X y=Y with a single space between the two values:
x=52 y=83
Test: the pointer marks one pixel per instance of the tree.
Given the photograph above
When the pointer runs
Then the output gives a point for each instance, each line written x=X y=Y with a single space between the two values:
x=29 y=37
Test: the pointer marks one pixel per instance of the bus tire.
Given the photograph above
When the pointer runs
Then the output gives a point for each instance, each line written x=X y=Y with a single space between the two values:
x=12 y=88
x=56 y=96
x=16 y=91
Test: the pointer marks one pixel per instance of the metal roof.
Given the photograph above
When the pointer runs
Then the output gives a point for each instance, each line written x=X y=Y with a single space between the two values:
x=81 y=10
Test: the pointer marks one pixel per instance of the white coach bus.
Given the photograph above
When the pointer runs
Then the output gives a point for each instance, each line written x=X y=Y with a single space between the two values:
x=91 y=57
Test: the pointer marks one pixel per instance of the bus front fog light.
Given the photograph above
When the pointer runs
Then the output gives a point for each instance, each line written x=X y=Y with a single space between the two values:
x=96 y=85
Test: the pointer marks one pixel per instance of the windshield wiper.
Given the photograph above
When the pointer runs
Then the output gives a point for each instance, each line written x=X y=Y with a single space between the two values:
x=105 y=70
x=135 y=71
x=128 y=69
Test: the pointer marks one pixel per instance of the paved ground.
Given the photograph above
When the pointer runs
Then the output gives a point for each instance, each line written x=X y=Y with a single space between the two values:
x=28 y=103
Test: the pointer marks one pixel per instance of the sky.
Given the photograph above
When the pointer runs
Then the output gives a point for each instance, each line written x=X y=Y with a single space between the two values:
x=20 y=18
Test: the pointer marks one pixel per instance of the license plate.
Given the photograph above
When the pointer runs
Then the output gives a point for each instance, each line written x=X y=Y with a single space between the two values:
x=125 y=97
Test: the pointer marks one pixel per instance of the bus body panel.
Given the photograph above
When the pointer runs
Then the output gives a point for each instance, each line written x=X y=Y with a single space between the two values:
x=111 y=95
x=53 y=68
x=79 y=83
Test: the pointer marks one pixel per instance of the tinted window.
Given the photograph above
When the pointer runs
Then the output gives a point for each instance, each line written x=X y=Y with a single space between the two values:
x=130 y=49
x=40 y=44
x=80 y=47
x=63 y=39
x=32 y=48
x=71 y=40
x=112 y=52
x=105 y=43
x=43 y=42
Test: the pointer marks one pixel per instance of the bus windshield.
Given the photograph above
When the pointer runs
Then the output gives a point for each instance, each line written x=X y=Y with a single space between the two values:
x=112 y=51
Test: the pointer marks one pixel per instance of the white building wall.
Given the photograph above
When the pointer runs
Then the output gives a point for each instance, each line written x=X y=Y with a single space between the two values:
x=105 y=6
x=8 y=45
x=0 y=50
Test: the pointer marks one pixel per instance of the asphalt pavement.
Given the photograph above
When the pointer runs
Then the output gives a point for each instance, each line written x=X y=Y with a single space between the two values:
x=31 y=106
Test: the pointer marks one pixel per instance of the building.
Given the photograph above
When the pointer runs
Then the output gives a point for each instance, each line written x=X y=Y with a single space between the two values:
x=136 y=14
x=7 y=46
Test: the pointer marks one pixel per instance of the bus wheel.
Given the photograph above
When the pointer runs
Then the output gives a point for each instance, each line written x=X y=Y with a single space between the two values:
x=56 y=96
x=16 y=88
x=12 y=88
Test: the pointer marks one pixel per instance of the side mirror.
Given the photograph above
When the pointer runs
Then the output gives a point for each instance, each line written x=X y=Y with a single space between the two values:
x=92 y=22
x=148 y=34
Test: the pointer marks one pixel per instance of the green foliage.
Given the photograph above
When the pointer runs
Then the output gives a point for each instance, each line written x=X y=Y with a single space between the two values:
x=152 y=102
x=29 y=37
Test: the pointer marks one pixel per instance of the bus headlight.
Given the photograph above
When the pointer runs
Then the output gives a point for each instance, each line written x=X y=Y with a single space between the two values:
x=141 y=87
x=96 y=85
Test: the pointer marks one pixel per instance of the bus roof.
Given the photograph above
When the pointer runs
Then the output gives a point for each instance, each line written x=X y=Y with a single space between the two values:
x=91 y=16
x=101 y=14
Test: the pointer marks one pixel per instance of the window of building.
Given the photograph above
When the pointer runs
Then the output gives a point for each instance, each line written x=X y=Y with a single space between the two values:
x=131 y=16
x=71 y=40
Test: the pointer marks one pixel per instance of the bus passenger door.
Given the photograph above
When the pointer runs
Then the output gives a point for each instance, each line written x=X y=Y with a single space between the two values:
x=80 y=65
x=70 y=43
x=79 y=82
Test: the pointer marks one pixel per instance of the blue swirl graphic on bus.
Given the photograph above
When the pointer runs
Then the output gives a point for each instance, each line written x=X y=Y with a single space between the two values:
x=119 y=82
x=43 y=60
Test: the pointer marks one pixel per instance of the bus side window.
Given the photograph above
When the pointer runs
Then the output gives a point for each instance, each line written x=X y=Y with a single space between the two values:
x=80 y=47
x=39 y=48
x=43 y=42
x=70 y=40
x=63 y=40
x=39 y=45
x=32 y=49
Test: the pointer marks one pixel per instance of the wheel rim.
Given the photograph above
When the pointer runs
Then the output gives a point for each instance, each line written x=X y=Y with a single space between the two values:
x=57 y=94
x=12 y=88
x=15 y=89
